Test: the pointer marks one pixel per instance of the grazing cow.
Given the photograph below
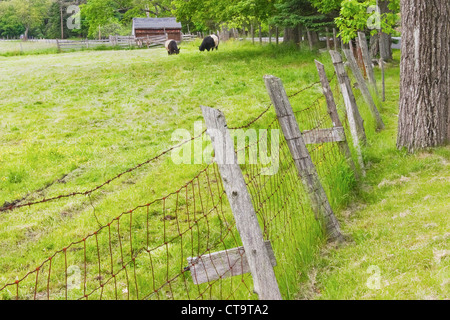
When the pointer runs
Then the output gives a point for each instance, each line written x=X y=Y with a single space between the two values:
x=216 y=41
x=171 y=47
x=210 y=42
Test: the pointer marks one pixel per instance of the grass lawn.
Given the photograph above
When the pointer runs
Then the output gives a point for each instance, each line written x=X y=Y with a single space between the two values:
x=399 y=222
x=72 y=121
x=14 y=48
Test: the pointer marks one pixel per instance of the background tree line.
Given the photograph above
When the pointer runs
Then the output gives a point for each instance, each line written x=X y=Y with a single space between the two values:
x=42 y=18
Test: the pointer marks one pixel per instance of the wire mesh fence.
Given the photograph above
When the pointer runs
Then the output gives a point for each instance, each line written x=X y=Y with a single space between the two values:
x=148 y=252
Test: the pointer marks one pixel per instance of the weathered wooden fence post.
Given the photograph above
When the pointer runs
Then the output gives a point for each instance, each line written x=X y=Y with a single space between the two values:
x=264 y=279
x=364 y=89
x=355 y=120
x=277 y=35
x=335 y=39
x=381 y=62
x=328 y=42
x=332 y=110
x=367 y=61
x=252 y=32
x=270 y=34
x=305 y=167
x=311 y=47
x=260 y=33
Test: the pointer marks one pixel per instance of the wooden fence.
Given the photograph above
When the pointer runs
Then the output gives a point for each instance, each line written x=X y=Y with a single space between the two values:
x=116 y=41
x=151 y=41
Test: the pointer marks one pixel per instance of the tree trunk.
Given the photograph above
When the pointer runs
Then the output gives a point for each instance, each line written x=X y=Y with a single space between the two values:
x=260 y=34
x=300 y=32
x=25 y=35
x=291 y=35
x=425 y=75
x=386 y=53
x=253 y=33
x=374 y=46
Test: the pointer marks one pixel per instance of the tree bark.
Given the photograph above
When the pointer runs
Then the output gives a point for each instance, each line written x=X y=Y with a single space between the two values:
x=374 y=46
x=291 y=35
x=386 y=50
x=425 y=75
x=25 y=36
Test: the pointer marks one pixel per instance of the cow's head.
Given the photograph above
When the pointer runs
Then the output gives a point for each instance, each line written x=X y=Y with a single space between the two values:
x=177 y=51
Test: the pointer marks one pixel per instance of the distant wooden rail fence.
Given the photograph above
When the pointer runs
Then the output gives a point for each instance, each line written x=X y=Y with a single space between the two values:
x=151 y=41
x=115 y=41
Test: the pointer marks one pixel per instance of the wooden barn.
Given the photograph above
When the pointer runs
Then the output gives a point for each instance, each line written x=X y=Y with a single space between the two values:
x=143 y=27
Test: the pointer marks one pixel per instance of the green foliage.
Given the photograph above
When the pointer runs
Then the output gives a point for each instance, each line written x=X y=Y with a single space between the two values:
x=327 y=6
x=204 y=15
x=362 y=15
x=42 y=17
x=292 y=13
x=10 y=25
x=22 y=15
x=53 y=26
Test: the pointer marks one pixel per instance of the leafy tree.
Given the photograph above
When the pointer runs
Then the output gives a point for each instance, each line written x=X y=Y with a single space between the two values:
x=10 y=25
x=27 y=14
x=114 y=16
x=53 y=21
x=98 y=13
x=355 y=16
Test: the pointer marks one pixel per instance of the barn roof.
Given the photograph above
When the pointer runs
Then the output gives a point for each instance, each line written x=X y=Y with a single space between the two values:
x=156 y=23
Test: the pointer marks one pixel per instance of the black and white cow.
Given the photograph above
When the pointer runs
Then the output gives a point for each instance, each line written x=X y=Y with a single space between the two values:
x=210 y=43
x=171 y=47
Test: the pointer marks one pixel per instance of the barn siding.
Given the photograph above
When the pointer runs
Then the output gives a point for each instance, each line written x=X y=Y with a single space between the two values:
x=174 y=34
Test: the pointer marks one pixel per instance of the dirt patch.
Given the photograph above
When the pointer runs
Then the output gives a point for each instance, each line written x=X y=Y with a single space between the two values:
x=440 y=254
x=399 y=181
x=309 y=290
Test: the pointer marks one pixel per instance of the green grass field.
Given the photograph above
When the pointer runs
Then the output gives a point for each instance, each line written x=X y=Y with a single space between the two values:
x=15 y=48
x=398 y=222
x=72 y=121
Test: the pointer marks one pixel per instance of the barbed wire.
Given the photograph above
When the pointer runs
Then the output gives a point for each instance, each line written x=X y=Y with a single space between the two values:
x=143 y=252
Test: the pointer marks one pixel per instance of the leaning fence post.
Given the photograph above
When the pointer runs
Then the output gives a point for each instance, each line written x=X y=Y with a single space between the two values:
x=363 y=87
x=355 y=120
x=367 y=61
x=335 y=39
x=305 y=167
x=381 y=62
x=332 y=110
x=311 y=47
x=264 y=279
x=328 y=43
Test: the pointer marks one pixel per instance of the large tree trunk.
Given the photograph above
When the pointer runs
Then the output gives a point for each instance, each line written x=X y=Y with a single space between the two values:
x=425 y=75
x=291 y=35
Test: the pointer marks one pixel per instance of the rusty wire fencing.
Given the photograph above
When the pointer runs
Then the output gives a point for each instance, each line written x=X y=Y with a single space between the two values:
x=336 y=175
x=149 y=252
